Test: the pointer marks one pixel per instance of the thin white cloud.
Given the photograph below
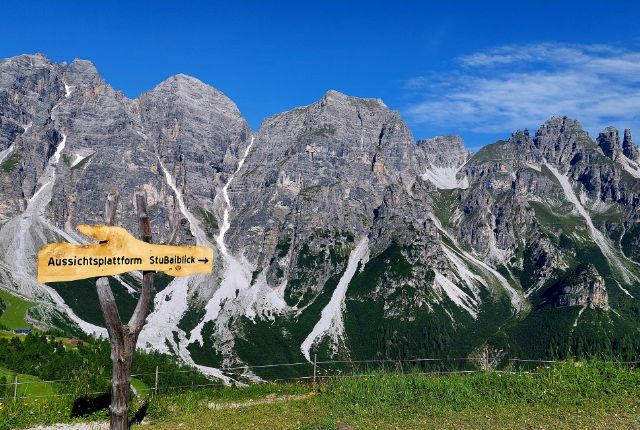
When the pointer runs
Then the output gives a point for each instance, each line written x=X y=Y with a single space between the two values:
x=513 y=87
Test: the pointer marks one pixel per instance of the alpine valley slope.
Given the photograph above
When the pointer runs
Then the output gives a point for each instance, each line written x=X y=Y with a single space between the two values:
x=338 y=234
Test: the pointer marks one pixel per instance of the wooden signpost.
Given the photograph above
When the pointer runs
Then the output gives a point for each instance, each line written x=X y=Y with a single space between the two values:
x=117 y=251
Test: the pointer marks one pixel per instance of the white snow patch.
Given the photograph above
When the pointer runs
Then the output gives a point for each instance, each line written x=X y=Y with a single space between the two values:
x=170 y=305
x=5 y=153
x=459 y=297
x=59 y=149
x=168 y=316
x=84 y=326
x=462 y=270
x=194 y=226
x=445 y=178
x=517 y=299
x=67 y=90
x=225 y=196
x=262 y=300
x=22 y=236
x=595 y=234
x=575 y=323
x=22 y=233
x=128 y=287
x=78 y=158
x=331 y=318
x=624 y=290
x=457 y=215
x=630 y=166
x=236 y=275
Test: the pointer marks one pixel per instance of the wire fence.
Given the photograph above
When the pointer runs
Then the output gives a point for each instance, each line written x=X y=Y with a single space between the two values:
x=320 y=370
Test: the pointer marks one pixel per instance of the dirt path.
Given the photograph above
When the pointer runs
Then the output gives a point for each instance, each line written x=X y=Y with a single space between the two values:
x=254 y=402
x=95 y=425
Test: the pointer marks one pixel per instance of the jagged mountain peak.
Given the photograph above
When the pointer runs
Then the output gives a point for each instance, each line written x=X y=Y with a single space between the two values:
x=453 y=140
x=558 y=138
x=336 y=113
x=609 y=141
x=32 y=59
x=630 y=149
x=564 y=122
x=186 y=86
x=559 y=127
x=83 y=67
x=25 y=62
x=520 y=137
x=186 y=92
x=337 y=96
x=444 y=151
x=183 y=80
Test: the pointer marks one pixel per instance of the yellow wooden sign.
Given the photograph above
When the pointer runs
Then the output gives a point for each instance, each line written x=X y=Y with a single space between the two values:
x=118 y=252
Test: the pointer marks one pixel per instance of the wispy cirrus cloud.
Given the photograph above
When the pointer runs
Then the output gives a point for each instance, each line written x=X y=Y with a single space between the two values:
x=511 y=87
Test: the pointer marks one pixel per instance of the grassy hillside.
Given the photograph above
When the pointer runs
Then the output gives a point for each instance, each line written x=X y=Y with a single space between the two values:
x=568 y=395
x=28 y=385
x=14 y=312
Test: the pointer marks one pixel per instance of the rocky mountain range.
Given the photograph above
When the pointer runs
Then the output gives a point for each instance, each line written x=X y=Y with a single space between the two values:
x=336 y=232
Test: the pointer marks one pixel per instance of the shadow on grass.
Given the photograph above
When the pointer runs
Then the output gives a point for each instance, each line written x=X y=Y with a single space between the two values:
x=140 y=414
x=87 y=405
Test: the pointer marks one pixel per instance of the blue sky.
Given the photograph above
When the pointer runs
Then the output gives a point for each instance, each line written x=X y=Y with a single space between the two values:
x=478 y=69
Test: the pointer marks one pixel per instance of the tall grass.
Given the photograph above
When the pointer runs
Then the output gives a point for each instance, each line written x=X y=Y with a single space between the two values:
x=382 y=396
x=567 y=383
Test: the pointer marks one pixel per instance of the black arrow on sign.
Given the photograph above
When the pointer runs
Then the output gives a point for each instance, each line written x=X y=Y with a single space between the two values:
x=205 y=260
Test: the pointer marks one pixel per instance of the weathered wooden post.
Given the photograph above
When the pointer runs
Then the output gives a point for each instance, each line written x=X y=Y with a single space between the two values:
x=155 y=385
x=15 y=388
x=315 y=369
x=104 y=259
x=124 y=337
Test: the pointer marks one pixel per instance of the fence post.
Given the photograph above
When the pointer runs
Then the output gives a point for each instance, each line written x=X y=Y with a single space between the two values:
x=15 y=388
x=155 y=389
x=315 y=370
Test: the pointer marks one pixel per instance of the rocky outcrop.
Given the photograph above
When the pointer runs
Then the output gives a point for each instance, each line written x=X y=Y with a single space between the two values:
x=558 y=139
x=609 y=142
x=630 y=149
x=30 y=88
x=442 y=151
x=585 y=288
x=328 y=166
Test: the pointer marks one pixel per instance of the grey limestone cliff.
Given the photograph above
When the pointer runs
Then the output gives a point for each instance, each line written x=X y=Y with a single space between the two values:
x=328 y=214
